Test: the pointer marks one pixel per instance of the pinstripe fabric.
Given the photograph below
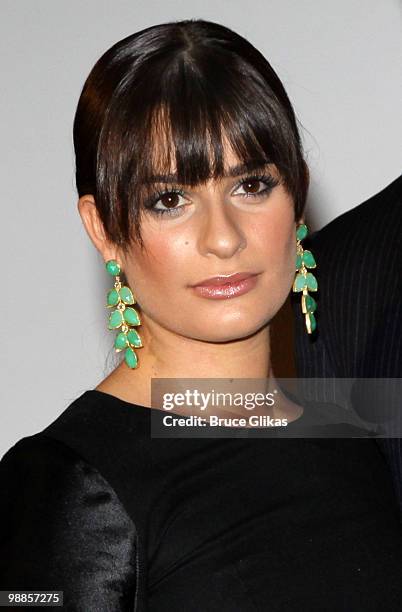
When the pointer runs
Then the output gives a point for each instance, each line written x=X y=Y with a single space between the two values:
x=359 y=312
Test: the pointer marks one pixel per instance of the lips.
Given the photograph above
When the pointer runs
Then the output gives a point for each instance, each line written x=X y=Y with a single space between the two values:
x=225 y=279
x=227 y=286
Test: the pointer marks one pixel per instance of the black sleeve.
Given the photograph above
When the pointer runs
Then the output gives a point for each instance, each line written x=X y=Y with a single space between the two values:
x=63 y=528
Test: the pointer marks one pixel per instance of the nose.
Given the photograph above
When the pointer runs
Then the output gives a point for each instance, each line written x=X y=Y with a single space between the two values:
x=220 y=233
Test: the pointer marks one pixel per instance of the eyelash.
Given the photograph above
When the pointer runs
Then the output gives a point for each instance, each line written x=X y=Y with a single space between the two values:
x=268 y=179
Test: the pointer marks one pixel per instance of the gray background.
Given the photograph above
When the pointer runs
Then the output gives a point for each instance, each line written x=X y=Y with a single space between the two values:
x=340 y=63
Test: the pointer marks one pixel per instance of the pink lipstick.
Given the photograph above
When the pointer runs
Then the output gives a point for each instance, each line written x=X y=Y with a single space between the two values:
x=226 y=286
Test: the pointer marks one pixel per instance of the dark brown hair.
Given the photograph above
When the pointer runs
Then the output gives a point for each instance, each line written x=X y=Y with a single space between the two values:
x=170 y=93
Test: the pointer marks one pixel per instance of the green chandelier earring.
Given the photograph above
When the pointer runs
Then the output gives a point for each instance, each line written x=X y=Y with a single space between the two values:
x=123 y=317
x=305 y=281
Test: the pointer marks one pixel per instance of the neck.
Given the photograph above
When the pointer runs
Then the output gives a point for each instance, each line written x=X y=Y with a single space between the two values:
x=169 y=355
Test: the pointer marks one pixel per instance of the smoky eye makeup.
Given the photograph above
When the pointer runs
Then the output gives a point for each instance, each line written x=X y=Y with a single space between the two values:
x=169 y=195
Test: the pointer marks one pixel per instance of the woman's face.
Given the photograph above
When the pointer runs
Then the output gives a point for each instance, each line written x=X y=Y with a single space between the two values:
x=217 y=228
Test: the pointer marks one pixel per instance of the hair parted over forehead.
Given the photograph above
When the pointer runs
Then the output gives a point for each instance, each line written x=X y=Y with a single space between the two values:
x=167 y=99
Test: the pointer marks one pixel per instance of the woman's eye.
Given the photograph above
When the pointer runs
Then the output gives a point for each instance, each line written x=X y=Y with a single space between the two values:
x=256 y=186
x=168 y=202
x=172 y=202
x=251 y=187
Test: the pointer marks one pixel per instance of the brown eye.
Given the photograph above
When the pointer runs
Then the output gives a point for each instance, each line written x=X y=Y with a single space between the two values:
x=167 y=203
x=170 y=200
x=251 y=186
x=256 y=186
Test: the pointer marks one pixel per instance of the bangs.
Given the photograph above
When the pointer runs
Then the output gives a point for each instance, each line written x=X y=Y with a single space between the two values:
x=176 y=111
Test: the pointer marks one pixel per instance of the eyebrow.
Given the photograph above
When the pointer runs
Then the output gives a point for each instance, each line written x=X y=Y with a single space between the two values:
x=238 y=170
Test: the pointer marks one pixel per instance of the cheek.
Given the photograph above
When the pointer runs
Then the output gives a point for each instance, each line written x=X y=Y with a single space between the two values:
x=281 y=249
x=154 y=272
x=274 y=238
x=170 y=258
x=275 y=241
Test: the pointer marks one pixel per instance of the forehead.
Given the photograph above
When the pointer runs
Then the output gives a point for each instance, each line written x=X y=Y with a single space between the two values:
x=178 y=152
x=164 y=147
x=163 y=167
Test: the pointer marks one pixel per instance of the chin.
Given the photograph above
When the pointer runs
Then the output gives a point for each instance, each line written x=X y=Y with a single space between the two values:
x=228 y=331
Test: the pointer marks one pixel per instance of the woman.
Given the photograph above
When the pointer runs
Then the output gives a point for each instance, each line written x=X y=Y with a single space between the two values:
x=189 y=167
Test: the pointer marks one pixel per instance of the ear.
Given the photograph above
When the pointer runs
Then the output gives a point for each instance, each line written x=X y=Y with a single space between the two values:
x=94 y=227
x=307 y=175
x=306 y=179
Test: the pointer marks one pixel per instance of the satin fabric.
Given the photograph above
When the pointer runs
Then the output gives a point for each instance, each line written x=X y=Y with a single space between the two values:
x=63 y=528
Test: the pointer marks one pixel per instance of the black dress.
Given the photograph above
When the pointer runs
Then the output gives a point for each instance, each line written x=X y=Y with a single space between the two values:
x=118 y=520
